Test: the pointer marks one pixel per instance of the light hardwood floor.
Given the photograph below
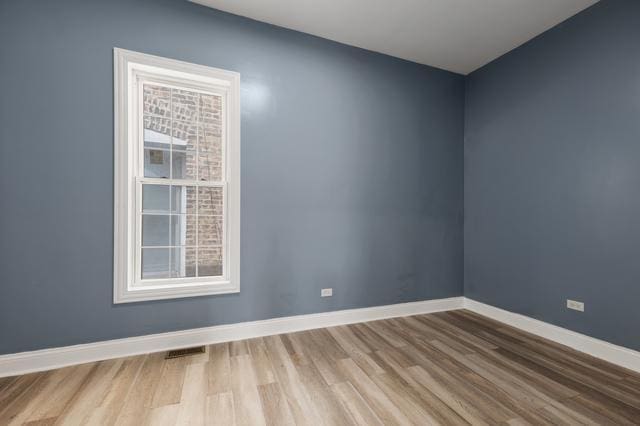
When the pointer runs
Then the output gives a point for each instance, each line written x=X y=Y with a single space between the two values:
x=447 y=368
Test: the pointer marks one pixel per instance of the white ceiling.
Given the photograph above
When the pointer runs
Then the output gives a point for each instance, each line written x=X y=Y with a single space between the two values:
x=456 y=35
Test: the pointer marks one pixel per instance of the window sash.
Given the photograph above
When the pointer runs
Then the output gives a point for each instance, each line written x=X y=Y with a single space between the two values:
x=146 y=282
x=144 y=78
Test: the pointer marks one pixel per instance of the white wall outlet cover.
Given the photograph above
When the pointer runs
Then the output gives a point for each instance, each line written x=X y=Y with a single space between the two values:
x=576 y=306
x=326 y=292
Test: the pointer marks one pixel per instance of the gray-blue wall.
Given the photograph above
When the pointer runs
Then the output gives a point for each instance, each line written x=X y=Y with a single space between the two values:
x=352 y=173
x=552 y=176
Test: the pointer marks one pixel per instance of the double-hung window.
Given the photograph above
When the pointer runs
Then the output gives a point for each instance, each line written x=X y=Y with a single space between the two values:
x=177 y=179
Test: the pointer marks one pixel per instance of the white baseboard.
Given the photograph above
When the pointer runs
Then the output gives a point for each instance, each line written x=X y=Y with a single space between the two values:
x=614 y=354
x=47 y=359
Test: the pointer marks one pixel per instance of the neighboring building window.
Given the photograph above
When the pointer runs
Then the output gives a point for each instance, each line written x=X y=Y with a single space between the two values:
x=177 y=179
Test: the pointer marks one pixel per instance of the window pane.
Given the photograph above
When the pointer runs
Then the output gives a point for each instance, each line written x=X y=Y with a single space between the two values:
x=185 y=105
x=155 y=263
x=211 y=110
x=157 y=143
x=184 y=148
x=155 y=198
x=209 y=230
x=157 y=100
x=210 y=154
x=183 y=230
x=183 y=262
x=155 y=230
x=209 y=262
x=157 y=132
x=210 y=200
x=183 y=199
x=156 y=163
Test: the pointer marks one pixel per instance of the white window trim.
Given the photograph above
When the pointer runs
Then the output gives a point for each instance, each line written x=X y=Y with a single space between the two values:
x=127 y=66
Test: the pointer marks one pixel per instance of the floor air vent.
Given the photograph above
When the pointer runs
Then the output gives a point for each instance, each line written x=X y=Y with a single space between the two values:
x=177 y=353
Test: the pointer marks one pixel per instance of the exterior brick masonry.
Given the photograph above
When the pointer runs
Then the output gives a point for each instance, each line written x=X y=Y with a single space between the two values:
x=193 y=121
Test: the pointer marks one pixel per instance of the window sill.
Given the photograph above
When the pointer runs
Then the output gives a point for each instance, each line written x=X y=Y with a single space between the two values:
x=141 y=294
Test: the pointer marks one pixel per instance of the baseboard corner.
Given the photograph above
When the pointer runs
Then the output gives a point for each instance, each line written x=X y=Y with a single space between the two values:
x=619 y=355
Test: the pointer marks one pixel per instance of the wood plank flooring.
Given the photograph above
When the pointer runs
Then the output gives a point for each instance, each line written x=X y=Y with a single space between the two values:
x=449 y=368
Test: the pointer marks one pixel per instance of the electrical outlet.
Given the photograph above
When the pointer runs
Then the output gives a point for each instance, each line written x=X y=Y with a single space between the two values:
x=576 y=306
x=326 y=292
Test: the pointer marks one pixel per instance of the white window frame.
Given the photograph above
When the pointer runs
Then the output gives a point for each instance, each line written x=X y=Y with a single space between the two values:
x=130 y=68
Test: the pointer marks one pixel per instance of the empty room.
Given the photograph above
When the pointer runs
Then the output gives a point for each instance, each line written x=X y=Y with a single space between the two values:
x=320 y=212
